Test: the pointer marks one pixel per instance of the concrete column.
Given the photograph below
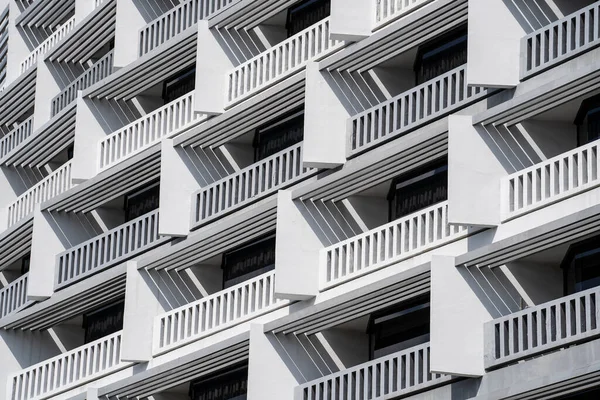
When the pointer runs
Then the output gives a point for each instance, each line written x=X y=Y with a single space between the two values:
x=83 y=8
x=18 y=47
x=351 y=20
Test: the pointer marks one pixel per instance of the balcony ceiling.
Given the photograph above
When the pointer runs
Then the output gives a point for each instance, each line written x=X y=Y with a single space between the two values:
x=15 y=242
x=18 y=97
x=46 y=14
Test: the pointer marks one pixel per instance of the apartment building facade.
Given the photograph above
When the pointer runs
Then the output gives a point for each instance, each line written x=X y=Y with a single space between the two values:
x=299 y=199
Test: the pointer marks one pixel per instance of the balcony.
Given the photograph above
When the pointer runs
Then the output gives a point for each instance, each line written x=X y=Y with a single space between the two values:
x=384 y=378
x=550 y=181
x=47 y=44
x=564 y=39
x=542 y=329
x=13 y=297
x=387 y=11
x=54 y=184
x=68 y=370
x=280 y=61
x=429 y=101
x=100 y=70
x=378 y=248
x=222 y=310
x=250 y=184
x=148 y=130
x=108 y=249
x=14 y=138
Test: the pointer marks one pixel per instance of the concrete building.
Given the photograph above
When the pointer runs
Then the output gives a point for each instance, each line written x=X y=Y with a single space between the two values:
x=299 y=199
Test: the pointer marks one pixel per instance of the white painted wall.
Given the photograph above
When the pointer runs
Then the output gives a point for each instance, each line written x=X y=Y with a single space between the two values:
x=351 y=20
x=83 y=8
x=18 y=48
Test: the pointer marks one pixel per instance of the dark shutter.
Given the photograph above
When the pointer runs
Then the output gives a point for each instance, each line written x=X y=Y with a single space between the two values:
x=248 y=261
x=277 y=137
x=100 y=323
x=441 y=55
x=588 y=121
x=229 y=385
x=25 y=262
x=581 y=266
x=179 y=85
x=306 y=14
x=142 y=202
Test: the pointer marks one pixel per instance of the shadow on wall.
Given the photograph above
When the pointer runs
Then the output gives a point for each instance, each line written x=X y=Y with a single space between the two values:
x=152 y=9
x=535 y=14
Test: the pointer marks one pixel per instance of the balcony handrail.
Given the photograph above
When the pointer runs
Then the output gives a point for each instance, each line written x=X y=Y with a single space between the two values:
x=100 y=70
x=550 y=181
x=109 y=248
x=216 y=312
x=148 y=130
x=542 y=328
x=47 y=44
x=14 y=296
x=397 y=374
x=248 y=184
x=390 y=243
x=67 y=370
x=57 y=182
x=14 y=138
x=387 y=11
x=411 y=109
x=560 y=40
x=280 y=61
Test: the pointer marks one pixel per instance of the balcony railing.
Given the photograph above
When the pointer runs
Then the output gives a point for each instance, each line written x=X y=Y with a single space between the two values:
x=409 y=110
x=251 y=183
x=14 y=297
x=398 y=374
x=54 y=184
x=108 y=249
x=148 y=130
x=543 y=328
x=387 y=11
x=550 y=181
x=561 y=40
x=280 y=61
x=15 y=137
x=100 y=70
x=216 y=312
x=401 y=239
x=68 y=370
x=48 y=44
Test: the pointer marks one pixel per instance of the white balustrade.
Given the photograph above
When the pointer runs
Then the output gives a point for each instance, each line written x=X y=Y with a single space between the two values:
x=148 y=130
x=555 y=43
x=68 y=370
x=409 y=110
x=14 y=296
x=15 y=137
x=259 y=179
x=398 y=240
x=384 y=378
x=57 y=182
x=108 y=249
x=542 y=328
x=216 y=312
x=48 y=44
x=387 y=11
x=280 y=61
x=100 y=70
x=550 y=181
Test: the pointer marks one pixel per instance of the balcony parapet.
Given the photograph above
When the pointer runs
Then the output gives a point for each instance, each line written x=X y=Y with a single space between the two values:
x=542 y=328
x=409 y=110
x=68 y=370
x=148 y=130
x=564 y=39
x=280 y=61
x=275 y=172
x=47 y=44
x=108 y=249
x=13 y=297
x=550 y=181
x=54 y=184
x=100 y=70
x=14 y=138
x=214 y=313
x=387 y=11
x=398 y=374
x=398 y=240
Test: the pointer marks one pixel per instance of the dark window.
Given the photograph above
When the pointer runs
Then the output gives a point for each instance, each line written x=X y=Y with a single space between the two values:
x=588 y=121
x=305 y=14
x=70 y=152
x=25 y=262
x=581 y=266
x=230 y=385
x=179 y=85
x=142 y=202
x=399 y=328
x=100 y=323
x=441 y=55
x=248 y=261
x=279 y=136
x=418 y=190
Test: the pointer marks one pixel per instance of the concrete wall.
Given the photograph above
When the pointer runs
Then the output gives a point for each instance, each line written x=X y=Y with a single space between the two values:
x=351 y=20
